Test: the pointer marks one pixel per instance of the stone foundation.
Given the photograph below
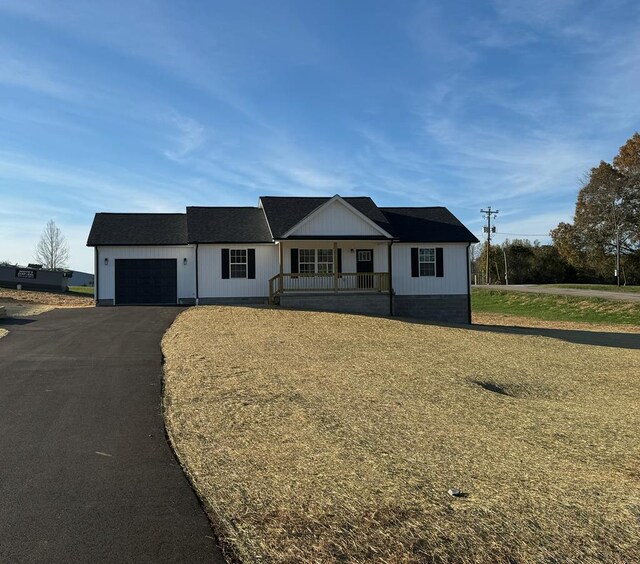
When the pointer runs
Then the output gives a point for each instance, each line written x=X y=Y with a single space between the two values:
x=452 y=308
x=366 y=303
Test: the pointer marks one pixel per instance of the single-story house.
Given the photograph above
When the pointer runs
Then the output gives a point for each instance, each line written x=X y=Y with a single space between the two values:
x=332 y=253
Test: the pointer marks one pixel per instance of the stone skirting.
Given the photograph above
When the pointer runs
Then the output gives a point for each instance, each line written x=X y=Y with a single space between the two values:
x=451 y=308
x=366 y=303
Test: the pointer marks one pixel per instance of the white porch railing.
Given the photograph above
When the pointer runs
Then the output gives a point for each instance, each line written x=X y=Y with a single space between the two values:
x=339 y=282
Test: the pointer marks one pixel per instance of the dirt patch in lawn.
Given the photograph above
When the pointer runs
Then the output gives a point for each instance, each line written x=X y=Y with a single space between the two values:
x=26 y=303
x=323 y=437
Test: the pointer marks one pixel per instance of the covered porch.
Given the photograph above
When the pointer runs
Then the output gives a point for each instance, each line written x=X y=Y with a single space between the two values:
x=322 y=266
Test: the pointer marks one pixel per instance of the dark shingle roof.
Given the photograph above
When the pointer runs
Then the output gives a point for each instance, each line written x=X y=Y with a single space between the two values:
x=426 y=225
x=227 y=225
x=249 y=225
x=285 y=212
x=138 y=229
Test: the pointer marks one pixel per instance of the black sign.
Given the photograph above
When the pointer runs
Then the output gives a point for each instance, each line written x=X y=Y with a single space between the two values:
x=22 y=273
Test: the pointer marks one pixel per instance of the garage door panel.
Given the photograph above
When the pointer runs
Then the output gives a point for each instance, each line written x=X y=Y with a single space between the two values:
x=146 y=281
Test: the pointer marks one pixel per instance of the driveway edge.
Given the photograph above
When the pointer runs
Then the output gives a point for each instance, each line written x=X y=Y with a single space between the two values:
x=232 y=550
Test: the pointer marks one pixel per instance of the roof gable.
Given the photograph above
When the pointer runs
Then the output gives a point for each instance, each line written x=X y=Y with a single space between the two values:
x=335 y=218
x=286 y=214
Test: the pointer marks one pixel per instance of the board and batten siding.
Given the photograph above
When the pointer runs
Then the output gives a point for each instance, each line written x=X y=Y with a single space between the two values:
x=212 y=285
x=185 y=272
x=335 y=219
x=455 y=264
x=380 y=252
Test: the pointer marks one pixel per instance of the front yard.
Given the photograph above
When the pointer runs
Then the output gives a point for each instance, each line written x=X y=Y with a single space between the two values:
x=323 y=437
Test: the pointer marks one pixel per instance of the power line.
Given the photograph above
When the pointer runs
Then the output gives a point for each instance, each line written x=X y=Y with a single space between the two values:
x=523 y=234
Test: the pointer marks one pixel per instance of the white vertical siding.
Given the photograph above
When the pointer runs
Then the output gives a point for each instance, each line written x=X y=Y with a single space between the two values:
x=212 y=285
x=336 y=219
x=185 y=272
x=455 y=263
x=380 y=252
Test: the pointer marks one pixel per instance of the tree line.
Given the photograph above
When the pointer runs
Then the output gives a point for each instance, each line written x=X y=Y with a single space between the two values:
x=601 y=245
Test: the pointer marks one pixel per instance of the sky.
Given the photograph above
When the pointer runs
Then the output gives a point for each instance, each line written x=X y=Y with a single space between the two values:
x=150 y=106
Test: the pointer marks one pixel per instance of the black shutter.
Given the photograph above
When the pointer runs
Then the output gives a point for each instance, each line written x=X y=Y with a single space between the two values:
x=294 y=261
x=225 y=263
x=415 y=266
x=251 y=263
x=339 y=266
x=439 y=263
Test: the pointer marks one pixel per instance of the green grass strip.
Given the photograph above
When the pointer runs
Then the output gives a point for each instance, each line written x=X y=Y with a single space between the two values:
x=555 y=308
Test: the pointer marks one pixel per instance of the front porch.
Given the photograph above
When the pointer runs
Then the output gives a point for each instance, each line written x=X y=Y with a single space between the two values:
x=359 y=282
x=322 y=267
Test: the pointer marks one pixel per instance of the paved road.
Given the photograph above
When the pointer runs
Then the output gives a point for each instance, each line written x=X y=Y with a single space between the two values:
x=86 y=474
x=534 y=288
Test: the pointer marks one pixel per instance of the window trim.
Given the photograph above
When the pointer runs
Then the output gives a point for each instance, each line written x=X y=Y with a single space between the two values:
x=316 y=262
x=421 y=262
x=244 y=263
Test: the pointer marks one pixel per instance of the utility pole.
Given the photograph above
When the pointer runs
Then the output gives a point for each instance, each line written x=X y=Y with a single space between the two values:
x=489 y=230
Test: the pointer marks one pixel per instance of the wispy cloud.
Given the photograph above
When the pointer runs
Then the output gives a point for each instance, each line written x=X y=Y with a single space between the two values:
x=191 y=136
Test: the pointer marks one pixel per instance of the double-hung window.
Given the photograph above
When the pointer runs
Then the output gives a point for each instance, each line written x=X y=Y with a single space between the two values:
x=325 y=261
x=318 y=261
x=307 y=261
x=238 y=263
x=427 y=261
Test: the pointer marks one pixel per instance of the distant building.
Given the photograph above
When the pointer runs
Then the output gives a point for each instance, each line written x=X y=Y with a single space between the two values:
x=33 y=278
x=80 y=278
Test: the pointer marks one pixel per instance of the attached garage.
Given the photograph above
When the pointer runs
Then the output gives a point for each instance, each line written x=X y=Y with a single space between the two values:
x=143 y=259
x=146 y=281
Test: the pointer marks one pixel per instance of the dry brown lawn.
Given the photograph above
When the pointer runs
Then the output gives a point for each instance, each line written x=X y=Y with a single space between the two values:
x=25 y=303
x=324 y=437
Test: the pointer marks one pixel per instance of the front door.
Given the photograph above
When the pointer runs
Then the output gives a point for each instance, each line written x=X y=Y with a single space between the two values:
x=364 y=267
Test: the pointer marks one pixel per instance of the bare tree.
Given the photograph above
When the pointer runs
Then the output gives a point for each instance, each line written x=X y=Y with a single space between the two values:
x=52 y=251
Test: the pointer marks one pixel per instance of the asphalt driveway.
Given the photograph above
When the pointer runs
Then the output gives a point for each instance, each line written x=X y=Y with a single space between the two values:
x=86 y=474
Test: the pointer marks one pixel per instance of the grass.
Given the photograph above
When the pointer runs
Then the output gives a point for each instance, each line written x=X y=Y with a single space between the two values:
x=322 y=437
x=600 y=287
x=555 y=307
x=81 y=290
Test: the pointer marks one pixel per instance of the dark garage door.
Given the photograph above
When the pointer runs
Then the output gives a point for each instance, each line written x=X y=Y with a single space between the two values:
x=146 y=281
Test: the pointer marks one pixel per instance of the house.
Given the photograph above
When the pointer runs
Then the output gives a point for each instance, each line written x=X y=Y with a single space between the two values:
x=333 y=253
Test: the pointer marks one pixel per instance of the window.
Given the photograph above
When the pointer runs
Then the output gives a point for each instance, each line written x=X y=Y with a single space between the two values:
x=316 y=261
x=325 y=261
x=238 y=263
x=427 y=262
x=307 y=261
x=364 y=256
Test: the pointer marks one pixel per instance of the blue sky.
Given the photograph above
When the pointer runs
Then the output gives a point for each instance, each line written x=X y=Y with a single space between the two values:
x=153 y=106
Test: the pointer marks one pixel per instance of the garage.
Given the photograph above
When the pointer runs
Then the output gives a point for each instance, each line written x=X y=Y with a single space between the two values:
x=146 y=281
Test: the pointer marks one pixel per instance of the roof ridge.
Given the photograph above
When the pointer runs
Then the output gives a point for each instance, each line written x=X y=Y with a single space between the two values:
x=141 y=213
x=223 y=207
x=413 y=207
